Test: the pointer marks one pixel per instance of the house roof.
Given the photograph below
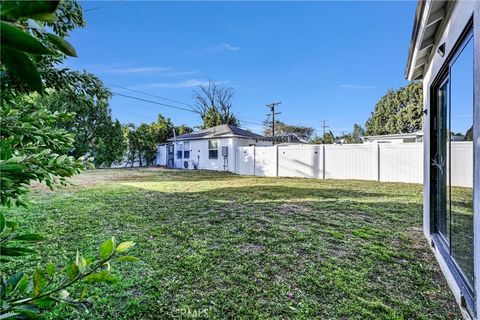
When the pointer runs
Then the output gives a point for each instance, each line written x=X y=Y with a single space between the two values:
x=221 y=131
x=429 y=20
x=394 y=136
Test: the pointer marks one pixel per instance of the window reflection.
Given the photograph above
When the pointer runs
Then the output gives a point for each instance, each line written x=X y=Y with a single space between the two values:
x=460 y=200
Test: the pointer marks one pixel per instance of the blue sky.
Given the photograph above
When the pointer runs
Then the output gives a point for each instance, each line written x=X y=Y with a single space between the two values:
x=324 y=60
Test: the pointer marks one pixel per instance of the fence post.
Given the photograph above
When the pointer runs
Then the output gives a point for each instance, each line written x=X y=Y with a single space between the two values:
x=323 y=161
x=254 y=161
x=377 y=160
x=276 y=160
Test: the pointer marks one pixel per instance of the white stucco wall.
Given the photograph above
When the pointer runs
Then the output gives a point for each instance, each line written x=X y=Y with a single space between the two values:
x=161 y=158
x=199 y=153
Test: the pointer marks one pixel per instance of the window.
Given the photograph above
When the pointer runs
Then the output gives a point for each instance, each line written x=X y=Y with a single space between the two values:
x=186 y=150
x=212 y=149
x=451 y=151
x=179 y=150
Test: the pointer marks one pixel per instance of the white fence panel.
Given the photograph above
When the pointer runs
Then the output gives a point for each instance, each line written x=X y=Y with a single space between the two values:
x=462 y=164
x=383 y=162
x=245 y=164
x=351 y=162
x=266 y=161
x=401 y=162
x=302 y=161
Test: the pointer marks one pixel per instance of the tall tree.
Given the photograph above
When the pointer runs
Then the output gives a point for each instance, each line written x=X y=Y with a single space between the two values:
x=281 y=128
x=143 y=140
x=183 y=129
x=68 y=90
x=355 y=136
x=398 y=111
x=214 y=104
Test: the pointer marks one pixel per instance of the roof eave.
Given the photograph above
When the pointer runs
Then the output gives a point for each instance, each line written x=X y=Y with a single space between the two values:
x=209 y=138
x=413 y=40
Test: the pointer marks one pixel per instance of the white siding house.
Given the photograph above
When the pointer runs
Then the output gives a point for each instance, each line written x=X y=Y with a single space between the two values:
x=445 y=53
x=395 y=138
x=212 y=149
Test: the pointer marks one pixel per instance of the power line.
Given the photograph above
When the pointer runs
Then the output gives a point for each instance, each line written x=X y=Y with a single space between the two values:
x=171 y=106
x=273 y=113
x=155 y=96
x=154 y=102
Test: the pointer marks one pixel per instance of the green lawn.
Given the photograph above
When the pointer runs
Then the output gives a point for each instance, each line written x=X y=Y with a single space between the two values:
x=217 y=245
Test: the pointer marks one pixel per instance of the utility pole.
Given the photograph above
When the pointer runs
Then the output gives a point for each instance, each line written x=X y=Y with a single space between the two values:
x=324 y=126
x=273 y=113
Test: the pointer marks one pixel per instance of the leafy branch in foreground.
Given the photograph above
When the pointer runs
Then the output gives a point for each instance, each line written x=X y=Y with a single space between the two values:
x=23 y=297
x=32 y=148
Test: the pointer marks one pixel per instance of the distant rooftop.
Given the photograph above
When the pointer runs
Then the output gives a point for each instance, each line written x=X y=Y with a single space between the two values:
x=221 y=131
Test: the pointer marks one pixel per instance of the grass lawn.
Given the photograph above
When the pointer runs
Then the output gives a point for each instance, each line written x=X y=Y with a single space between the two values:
x=217 y=245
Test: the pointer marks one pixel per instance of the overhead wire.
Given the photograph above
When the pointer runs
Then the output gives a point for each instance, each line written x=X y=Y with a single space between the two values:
x=191 y=109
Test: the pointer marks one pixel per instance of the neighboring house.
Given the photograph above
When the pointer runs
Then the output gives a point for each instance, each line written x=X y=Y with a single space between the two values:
x=445 y=54
x=213 y=148
x=395 y=138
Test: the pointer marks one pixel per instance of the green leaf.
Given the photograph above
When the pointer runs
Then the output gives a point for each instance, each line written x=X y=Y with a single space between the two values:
x=103 y=276
x=62 y=45
x=15 y=252
x=14 y=280
x=27 y=310
x=127 y=259
x=38 y=10
x=72 y=271
x=17 y=39
x=29 y=237
x=50 y=269
x=39 y=281
x=124 y=246
x=82 y=264
x=9 y=315
x=22 y=68
x=61 y=159
x=84 y=293
x=3 y=222
x=107 y=248
x=44 y=302
x=22 y=284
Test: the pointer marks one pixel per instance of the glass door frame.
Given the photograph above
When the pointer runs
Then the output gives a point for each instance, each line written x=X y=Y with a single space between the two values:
x=443 y=244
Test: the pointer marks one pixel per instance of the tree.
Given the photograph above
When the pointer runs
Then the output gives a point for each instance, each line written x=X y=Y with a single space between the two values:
x=398 y=111
x=183 y=129
x=111 y=149
x=34 y=148
x=282 y=128
x=355 y=136
x=143 y=140
x=469 y=134
x=214 y=103
x=68 y=91
x=327 y=138
x=93 y=124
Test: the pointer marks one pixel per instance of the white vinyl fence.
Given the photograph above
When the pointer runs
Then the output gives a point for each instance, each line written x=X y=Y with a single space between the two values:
x=379 y=162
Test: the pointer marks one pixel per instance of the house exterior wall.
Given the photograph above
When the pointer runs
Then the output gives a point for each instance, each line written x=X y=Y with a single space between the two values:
x=199 y=153
x=457 y=21
x=161 y=158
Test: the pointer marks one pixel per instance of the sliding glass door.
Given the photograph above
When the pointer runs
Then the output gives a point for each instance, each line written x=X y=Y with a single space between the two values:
x=451 y=161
